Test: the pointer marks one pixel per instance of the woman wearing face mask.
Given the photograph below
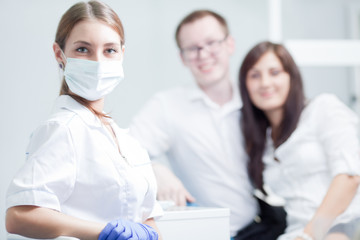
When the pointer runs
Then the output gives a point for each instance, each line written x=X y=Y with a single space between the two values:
x=305 y=151
x=84 y=177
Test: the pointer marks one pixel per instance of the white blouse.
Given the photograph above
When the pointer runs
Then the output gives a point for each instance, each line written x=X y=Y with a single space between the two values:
x=324 y=144
x=73 y=165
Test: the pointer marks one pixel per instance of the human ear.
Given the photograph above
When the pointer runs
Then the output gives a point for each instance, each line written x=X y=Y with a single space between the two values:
x=183 y=60
x=122 y=52
x=230 y=43
x=58 y=54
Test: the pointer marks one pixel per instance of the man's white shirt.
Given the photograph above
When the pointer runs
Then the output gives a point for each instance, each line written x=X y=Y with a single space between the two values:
x=204 y=145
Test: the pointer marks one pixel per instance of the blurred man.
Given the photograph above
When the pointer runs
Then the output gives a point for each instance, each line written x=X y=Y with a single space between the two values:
x=198 y=128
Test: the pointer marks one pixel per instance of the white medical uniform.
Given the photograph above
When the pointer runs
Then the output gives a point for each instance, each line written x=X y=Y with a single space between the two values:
x=73 y=166
x=203 y=143
x=324 y=144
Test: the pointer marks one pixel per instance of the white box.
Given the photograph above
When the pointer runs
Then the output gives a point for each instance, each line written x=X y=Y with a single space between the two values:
x=195 y=223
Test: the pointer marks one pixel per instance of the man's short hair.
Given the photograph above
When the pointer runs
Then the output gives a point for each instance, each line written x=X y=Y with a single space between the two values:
x=196 y=15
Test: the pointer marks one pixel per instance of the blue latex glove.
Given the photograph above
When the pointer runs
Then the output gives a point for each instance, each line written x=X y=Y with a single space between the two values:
x=126 y=230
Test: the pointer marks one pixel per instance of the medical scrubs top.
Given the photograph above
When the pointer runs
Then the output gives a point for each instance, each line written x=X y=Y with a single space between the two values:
x=73 y=165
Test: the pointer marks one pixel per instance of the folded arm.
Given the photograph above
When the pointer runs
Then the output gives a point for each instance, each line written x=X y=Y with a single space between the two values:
x=38 y=222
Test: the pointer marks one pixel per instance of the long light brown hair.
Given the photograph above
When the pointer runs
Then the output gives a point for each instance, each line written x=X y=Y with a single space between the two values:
x=254 y=122
x=92 y=10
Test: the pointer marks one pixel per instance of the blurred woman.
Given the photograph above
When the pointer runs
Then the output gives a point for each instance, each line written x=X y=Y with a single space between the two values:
x=305 y=151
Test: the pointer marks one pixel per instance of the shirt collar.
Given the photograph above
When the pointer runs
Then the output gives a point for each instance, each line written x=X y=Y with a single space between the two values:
x=196 y=93
x=68 y=103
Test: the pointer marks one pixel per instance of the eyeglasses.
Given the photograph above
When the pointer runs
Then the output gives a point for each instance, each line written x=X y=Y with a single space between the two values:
x=192 y=53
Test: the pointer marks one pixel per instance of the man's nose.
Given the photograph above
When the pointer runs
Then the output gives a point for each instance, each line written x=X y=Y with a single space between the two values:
x=203 y=52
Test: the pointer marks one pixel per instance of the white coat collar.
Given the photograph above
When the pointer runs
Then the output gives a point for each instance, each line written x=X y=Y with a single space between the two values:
x=68 y=103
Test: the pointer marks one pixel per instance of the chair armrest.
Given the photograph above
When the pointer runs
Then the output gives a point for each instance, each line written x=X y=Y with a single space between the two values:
x=18 y=237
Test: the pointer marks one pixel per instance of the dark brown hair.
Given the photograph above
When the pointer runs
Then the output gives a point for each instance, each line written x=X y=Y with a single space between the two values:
x=254 y=122
x=79 y=12
x=196 y=15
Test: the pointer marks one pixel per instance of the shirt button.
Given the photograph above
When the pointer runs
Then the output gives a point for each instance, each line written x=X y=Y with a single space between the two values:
x=257 y=219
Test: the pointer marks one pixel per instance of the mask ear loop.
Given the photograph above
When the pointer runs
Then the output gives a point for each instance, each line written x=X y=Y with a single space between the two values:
x=61 y=64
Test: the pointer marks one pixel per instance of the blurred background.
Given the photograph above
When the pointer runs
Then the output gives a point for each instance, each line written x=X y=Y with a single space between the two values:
x=30 y=79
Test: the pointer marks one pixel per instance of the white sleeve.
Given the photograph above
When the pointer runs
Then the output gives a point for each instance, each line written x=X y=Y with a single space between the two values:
x=48 y=175
x=338 y=133
x=151 y=127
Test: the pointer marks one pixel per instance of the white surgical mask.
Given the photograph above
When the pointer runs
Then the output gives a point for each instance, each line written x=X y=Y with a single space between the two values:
x=92 y=80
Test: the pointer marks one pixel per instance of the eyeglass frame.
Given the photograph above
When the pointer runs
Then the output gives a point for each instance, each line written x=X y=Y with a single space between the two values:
x=206 y=46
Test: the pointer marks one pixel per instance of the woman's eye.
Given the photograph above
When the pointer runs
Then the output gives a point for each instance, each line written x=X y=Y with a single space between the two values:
x=275 y=72
x=254 y=75
x=82 y=50
x=111 y=50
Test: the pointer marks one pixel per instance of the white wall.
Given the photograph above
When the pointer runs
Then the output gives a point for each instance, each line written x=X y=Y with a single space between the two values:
x=321 y=19
x=30 y=79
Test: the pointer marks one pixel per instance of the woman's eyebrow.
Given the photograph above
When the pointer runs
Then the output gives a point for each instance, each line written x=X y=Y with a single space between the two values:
x=82 y=42
x=112 y=44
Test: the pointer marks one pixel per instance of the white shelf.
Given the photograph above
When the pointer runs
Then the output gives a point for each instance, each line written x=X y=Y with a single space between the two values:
x=329 y=52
